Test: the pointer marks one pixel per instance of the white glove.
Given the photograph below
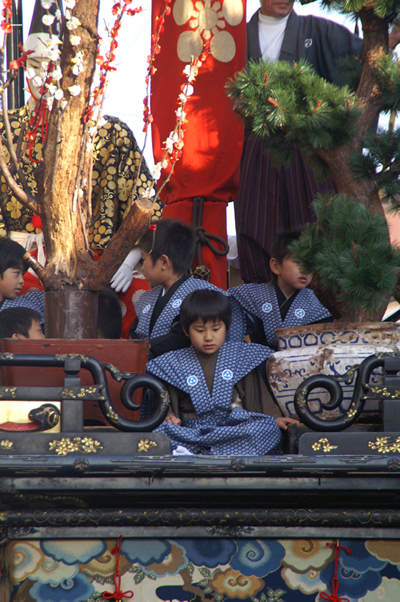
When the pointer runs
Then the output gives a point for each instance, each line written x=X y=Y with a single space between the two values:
x=122 y=278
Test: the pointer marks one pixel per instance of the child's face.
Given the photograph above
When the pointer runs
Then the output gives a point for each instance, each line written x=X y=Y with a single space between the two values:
x=153 y=272
x=207 y=337
x=36 y=331
x=11 y=283
x=289 y=276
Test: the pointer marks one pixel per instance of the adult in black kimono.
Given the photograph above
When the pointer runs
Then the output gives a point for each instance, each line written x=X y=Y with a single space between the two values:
x=272 y=199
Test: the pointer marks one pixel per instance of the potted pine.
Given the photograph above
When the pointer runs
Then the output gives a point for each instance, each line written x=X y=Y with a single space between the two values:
x=355 y=269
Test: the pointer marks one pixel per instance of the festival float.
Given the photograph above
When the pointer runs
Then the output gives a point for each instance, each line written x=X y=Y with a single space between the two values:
x=109 y=513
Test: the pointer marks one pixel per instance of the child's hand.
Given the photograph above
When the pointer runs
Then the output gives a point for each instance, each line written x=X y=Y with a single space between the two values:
x=283 y=421
x=173 y=420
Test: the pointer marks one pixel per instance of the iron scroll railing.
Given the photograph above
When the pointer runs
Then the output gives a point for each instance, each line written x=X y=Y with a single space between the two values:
x=389 y=390
x=72 y=391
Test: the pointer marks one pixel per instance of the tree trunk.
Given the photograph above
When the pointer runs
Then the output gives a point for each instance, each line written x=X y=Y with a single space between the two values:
x=66 y=160
x=370 y=101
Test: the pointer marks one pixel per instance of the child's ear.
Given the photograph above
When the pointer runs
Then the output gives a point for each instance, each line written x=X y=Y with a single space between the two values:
x=275 y=266
x=165 y=262
x=17 y=336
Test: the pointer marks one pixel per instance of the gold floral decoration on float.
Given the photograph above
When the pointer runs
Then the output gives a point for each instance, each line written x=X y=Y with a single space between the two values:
x=8 y=392
x=66 y=446
x=324 y=444
x=385 y=445
x=6 y=444
x=383 y=392
x=145 y=444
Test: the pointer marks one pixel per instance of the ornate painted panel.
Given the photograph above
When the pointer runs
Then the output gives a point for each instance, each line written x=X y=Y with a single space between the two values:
x=204 y=570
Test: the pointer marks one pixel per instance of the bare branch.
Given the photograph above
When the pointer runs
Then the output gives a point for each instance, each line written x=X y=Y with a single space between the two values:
x=22 y=196
x=36 y=267
x=10 y=147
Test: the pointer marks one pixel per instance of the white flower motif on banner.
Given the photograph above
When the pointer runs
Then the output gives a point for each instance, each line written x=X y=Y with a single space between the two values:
x=207 y=20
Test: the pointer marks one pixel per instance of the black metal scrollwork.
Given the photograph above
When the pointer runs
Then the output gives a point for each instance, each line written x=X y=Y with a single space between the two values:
x=72 y=364
x=362 y=391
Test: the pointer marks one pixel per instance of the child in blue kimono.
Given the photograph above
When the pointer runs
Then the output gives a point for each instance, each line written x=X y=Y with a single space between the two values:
x=168 y=249
x=284 y=302
x=219 y=402
x=12 y=270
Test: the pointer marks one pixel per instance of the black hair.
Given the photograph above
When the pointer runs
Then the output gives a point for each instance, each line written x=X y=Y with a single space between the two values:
x=208 y=305
x=280 y=246
x=281 y=243
x=11 y=255
x=109 y=316
x=17 y=320
x=173 y=239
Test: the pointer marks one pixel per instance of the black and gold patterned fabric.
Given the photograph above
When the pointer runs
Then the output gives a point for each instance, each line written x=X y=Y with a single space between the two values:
x=116 y=158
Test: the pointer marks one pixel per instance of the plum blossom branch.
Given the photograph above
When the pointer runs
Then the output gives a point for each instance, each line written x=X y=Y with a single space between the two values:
x=104 y=62
x=147 y=116
x=175 y=142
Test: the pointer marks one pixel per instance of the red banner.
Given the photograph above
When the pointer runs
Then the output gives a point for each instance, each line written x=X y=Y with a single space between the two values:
x=213 y=134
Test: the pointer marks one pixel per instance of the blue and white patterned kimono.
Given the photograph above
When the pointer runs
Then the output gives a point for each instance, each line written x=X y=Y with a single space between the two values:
x=261 y=301
x=34 y=300
x=217 y=429
x=144 y=308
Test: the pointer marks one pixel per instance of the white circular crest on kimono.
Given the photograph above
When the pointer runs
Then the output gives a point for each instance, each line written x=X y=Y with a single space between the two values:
x=207 y=19
x=177 y=303
x=308 y=43
x=299 y=313
x=227 y=374
x=192 y=380
x=146 y=309
x=267 y=307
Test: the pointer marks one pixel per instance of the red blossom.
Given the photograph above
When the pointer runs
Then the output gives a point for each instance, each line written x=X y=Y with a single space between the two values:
x=115 y=9
x=7 y=3
x=6 y=27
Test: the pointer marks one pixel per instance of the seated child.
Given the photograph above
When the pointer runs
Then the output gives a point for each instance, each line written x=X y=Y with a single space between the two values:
x=168 y=253
x=12 y=269
x=219 y=402
x=283 y=302
x=20 y=323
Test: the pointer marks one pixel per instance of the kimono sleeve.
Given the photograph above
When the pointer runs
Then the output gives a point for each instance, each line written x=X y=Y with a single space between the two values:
x=255 y=395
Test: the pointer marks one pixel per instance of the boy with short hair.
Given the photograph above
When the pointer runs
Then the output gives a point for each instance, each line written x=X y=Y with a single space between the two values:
x=219 y=401
x=12 y=269
x=20 y=323
x=283 y=302
x=168 y=248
